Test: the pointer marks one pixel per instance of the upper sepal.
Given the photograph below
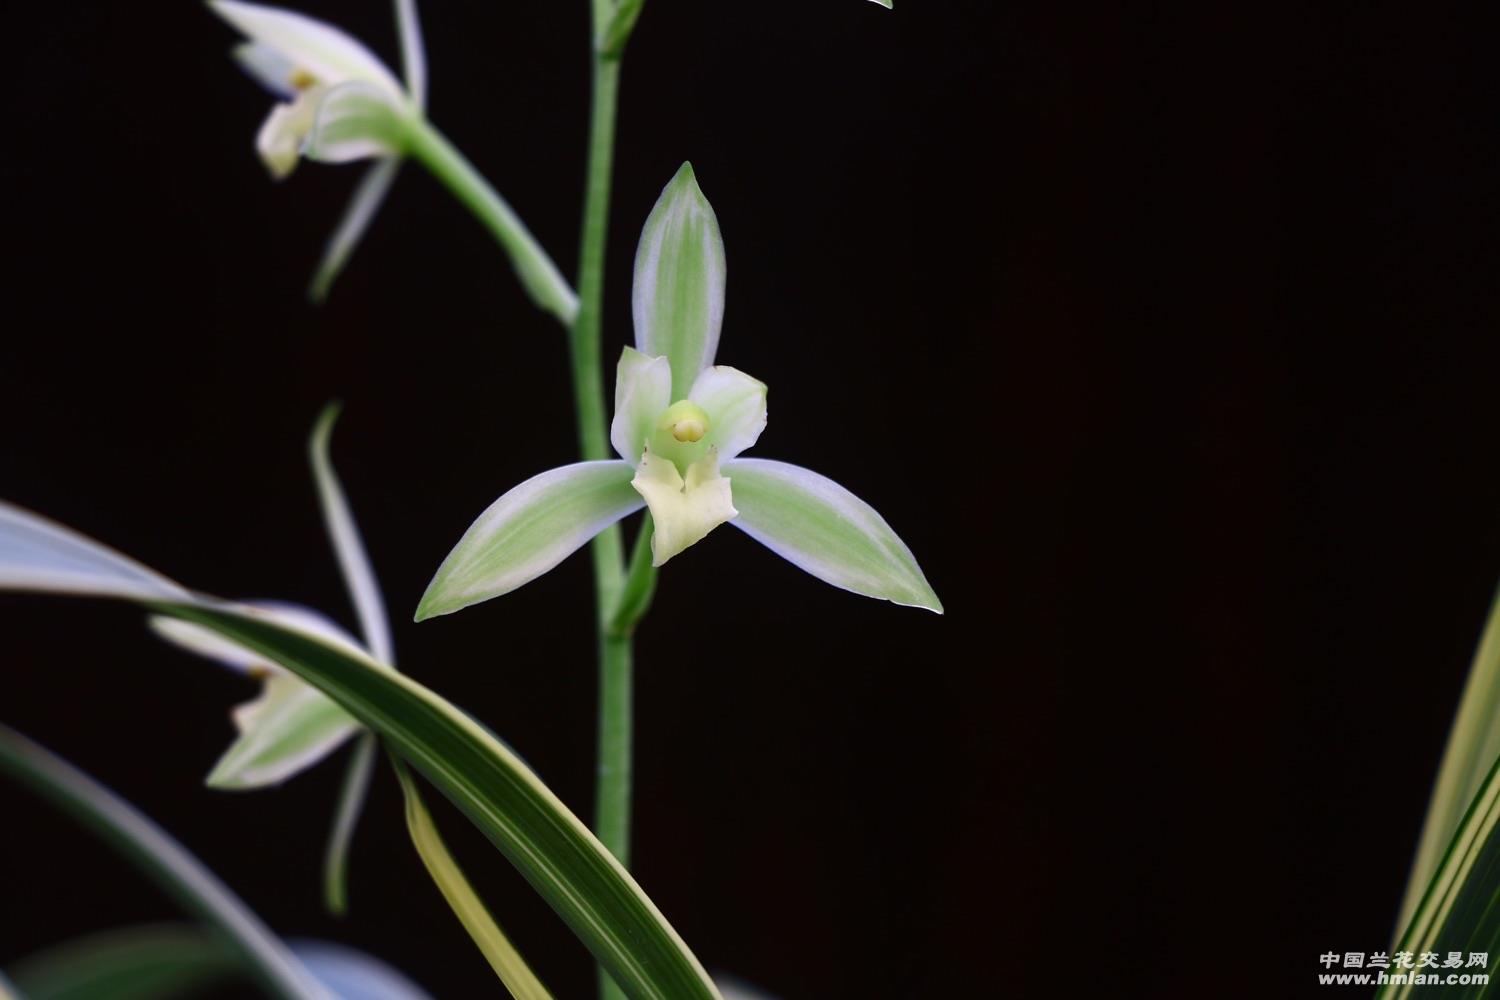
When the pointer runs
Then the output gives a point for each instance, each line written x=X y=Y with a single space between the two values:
x=312 y=50
x=678 y=295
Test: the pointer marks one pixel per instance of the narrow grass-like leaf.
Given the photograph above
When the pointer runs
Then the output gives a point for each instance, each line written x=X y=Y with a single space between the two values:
x=467 y=906
x=549 y=846
x=162 y=961
x=162 y=859
x=136 y=963
x=1473 y=748
x=413 y=52
x=1458 y=910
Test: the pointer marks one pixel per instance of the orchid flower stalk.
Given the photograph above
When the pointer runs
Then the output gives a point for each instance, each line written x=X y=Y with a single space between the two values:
x=337 y=103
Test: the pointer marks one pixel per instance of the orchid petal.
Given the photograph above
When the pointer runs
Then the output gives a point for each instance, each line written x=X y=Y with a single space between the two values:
x=814 y=523
x=528 y=531
x=413 y=52
x=289 y=728
x=366 y=201
x=643 y=389
x=736 y=408
x=348 y=547
x=678 y=296
x=355 y=121
x=683 y=509
x=327 y=54
x=268 y=67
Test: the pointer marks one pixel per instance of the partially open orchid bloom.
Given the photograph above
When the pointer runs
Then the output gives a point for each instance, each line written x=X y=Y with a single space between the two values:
x=291 y=725
x=337 y=102
x=680 y=425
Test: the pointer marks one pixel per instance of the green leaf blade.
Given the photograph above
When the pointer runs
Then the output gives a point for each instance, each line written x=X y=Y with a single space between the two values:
x=161 y=858
x=549 y=846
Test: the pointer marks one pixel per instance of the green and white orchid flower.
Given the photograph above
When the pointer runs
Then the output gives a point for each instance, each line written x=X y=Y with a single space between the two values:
x=338 y=103
x=680 y=425
x=292 y=725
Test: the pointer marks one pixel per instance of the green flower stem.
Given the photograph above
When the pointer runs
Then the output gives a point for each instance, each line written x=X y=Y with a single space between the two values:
x=540 y=276
x=612 y=793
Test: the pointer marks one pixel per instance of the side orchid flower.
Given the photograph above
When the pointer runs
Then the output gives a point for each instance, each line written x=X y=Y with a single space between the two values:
x=680 y=424
x=292 y=725
x=337 y=102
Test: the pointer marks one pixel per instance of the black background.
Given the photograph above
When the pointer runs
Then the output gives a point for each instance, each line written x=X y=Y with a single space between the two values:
x=1167 y=340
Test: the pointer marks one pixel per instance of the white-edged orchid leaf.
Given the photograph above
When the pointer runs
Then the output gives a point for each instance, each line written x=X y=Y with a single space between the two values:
x=462 y=899
x=355 y=121
x=684 y=509
x=353 y=974
x=678 y=295
x=322 y=53
x=160 y=858
x=413 y=52
x=736 y=408
x=643 y=389
x=267 y=67
x=154 y=961
x=289 y=728
x=41 y=555
x=343 y=533
x=814 y=523
x=493 y=787
x=528 y=531
x=211 y=645
x=368 y=196
x=887 y=4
